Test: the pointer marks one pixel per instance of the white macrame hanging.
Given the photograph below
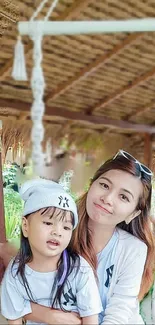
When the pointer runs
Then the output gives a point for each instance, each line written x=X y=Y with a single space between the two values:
x=19 y=67
x=39 y=158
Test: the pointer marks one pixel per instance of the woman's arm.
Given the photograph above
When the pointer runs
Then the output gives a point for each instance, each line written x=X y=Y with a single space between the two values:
x=7 y=252
x=52 y=316
x=90 y=320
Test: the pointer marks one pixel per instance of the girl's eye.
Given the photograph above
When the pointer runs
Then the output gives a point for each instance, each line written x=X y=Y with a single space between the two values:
x=124 y=197
x=47 y=223
x=104 y=185
x=67 y=228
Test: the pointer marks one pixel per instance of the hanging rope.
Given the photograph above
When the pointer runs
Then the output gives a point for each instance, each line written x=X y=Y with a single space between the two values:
x=51 y=9
x=38 y=107
x=38 y=86
x=40 y=7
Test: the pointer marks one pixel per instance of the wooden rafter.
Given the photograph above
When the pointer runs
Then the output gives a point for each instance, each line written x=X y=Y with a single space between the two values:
x=140 y=110
x=22 y=116
x=91 y=68
x=70 y=12
x=78 y=116
x=137 y=82
x=106 y=132
x=74 y=9
x=148 y=149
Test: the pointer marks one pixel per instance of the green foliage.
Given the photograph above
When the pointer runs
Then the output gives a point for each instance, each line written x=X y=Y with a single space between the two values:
x=74 y=196
x=13 y=206
x=9 y=174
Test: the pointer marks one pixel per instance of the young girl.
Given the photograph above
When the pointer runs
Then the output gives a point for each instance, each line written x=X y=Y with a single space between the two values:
x=46 y=270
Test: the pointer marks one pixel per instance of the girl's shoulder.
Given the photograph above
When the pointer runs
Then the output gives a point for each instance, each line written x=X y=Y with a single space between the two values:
x=129 y=242
x=82 y=265
x=83 y=262
x=12 y=267
x=10 y=274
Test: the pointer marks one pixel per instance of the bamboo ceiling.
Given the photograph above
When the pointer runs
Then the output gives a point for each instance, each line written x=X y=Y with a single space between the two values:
x=96 y=84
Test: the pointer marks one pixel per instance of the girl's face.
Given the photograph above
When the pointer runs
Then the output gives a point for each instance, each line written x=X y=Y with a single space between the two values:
x=113 y=198
x=48 y=236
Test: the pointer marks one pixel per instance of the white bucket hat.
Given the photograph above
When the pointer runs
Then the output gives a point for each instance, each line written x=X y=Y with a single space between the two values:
x=42 y=193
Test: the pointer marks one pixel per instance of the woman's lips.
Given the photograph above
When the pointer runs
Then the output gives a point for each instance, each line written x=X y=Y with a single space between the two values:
x=102 y=208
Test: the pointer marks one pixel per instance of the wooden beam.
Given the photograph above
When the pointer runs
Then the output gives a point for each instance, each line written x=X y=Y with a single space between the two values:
x=68 y=14
x=79 y=116
x=74 y=9
x=91 y=68
x=22 y=116
x=137 y=82
x=148 y=150
x=140 y=110
x=106 y=133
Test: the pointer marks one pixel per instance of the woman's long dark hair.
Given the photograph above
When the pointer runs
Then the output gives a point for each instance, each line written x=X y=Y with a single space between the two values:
x=140 y=227
x=25 y=256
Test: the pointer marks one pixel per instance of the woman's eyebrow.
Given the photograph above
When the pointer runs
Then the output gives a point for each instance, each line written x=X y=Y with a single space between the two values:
x=127 y=191
x=107 y=179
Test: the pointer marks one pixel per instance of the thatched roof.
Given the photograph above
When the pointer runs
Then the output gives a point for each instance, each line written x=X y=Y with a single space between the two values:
x=95 y=84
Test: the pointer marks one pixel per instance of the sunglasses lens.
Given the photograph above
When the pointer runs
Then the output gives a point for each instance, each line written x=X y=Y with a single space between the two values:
x=146 y=169
x=128 y=156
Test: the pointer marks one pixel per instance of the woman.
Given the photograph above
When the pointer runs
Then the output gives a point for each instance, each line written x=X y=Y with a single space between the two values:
x=119 y=195
x=114 y=235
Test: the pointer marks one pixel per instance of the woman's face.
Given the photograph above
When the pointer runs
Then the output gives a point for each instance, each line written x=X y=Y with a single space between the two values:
x=113 y=198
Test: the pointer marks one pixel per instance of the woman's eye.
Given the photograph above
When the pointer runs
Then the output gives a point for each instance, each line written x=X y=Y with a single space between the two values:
x=124 y=197
x=47 y=223
x=104 y=185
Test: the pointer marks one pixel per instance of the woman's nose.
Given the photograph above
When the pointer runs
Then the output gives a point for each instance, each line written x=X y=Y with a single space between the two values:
x=107 y=198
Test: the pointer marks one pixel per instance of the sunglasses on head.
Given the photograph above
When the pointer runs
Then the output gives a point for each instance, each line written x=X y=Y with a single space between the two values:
x=127 y=155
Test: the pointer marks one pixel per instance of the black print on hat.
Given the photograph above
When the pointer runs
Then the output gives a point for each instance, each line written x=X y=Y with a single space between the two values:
x=63 y=201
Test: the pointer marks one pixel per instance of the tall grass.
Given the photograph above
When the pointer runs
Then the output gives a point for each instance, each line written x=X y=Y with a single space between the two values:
x=13 y=206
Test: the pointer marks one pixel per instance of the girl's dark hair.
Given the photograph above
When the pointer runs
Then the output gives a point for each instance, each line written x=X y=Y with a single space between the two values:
x=25 y=256
x=141 y=226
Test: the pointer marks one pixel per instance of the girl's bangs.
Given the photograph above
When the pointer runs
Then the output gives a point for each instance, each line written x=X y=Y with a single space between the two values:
x=56 y=212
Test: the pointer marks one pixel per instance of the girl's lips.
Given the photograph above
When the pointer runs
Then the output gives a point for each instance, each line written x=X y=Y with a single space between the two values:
x=53 y=242
x=102 y=208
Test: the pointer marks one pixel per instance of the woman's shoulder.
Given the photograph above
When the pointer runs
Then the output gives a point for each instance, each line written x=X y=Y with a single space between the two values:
x=130 y=242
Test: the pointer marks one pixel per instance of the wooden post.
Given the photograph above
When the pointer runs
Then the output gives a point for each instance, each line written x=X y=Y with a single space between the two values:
x=2 y=218
x=148 y=150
